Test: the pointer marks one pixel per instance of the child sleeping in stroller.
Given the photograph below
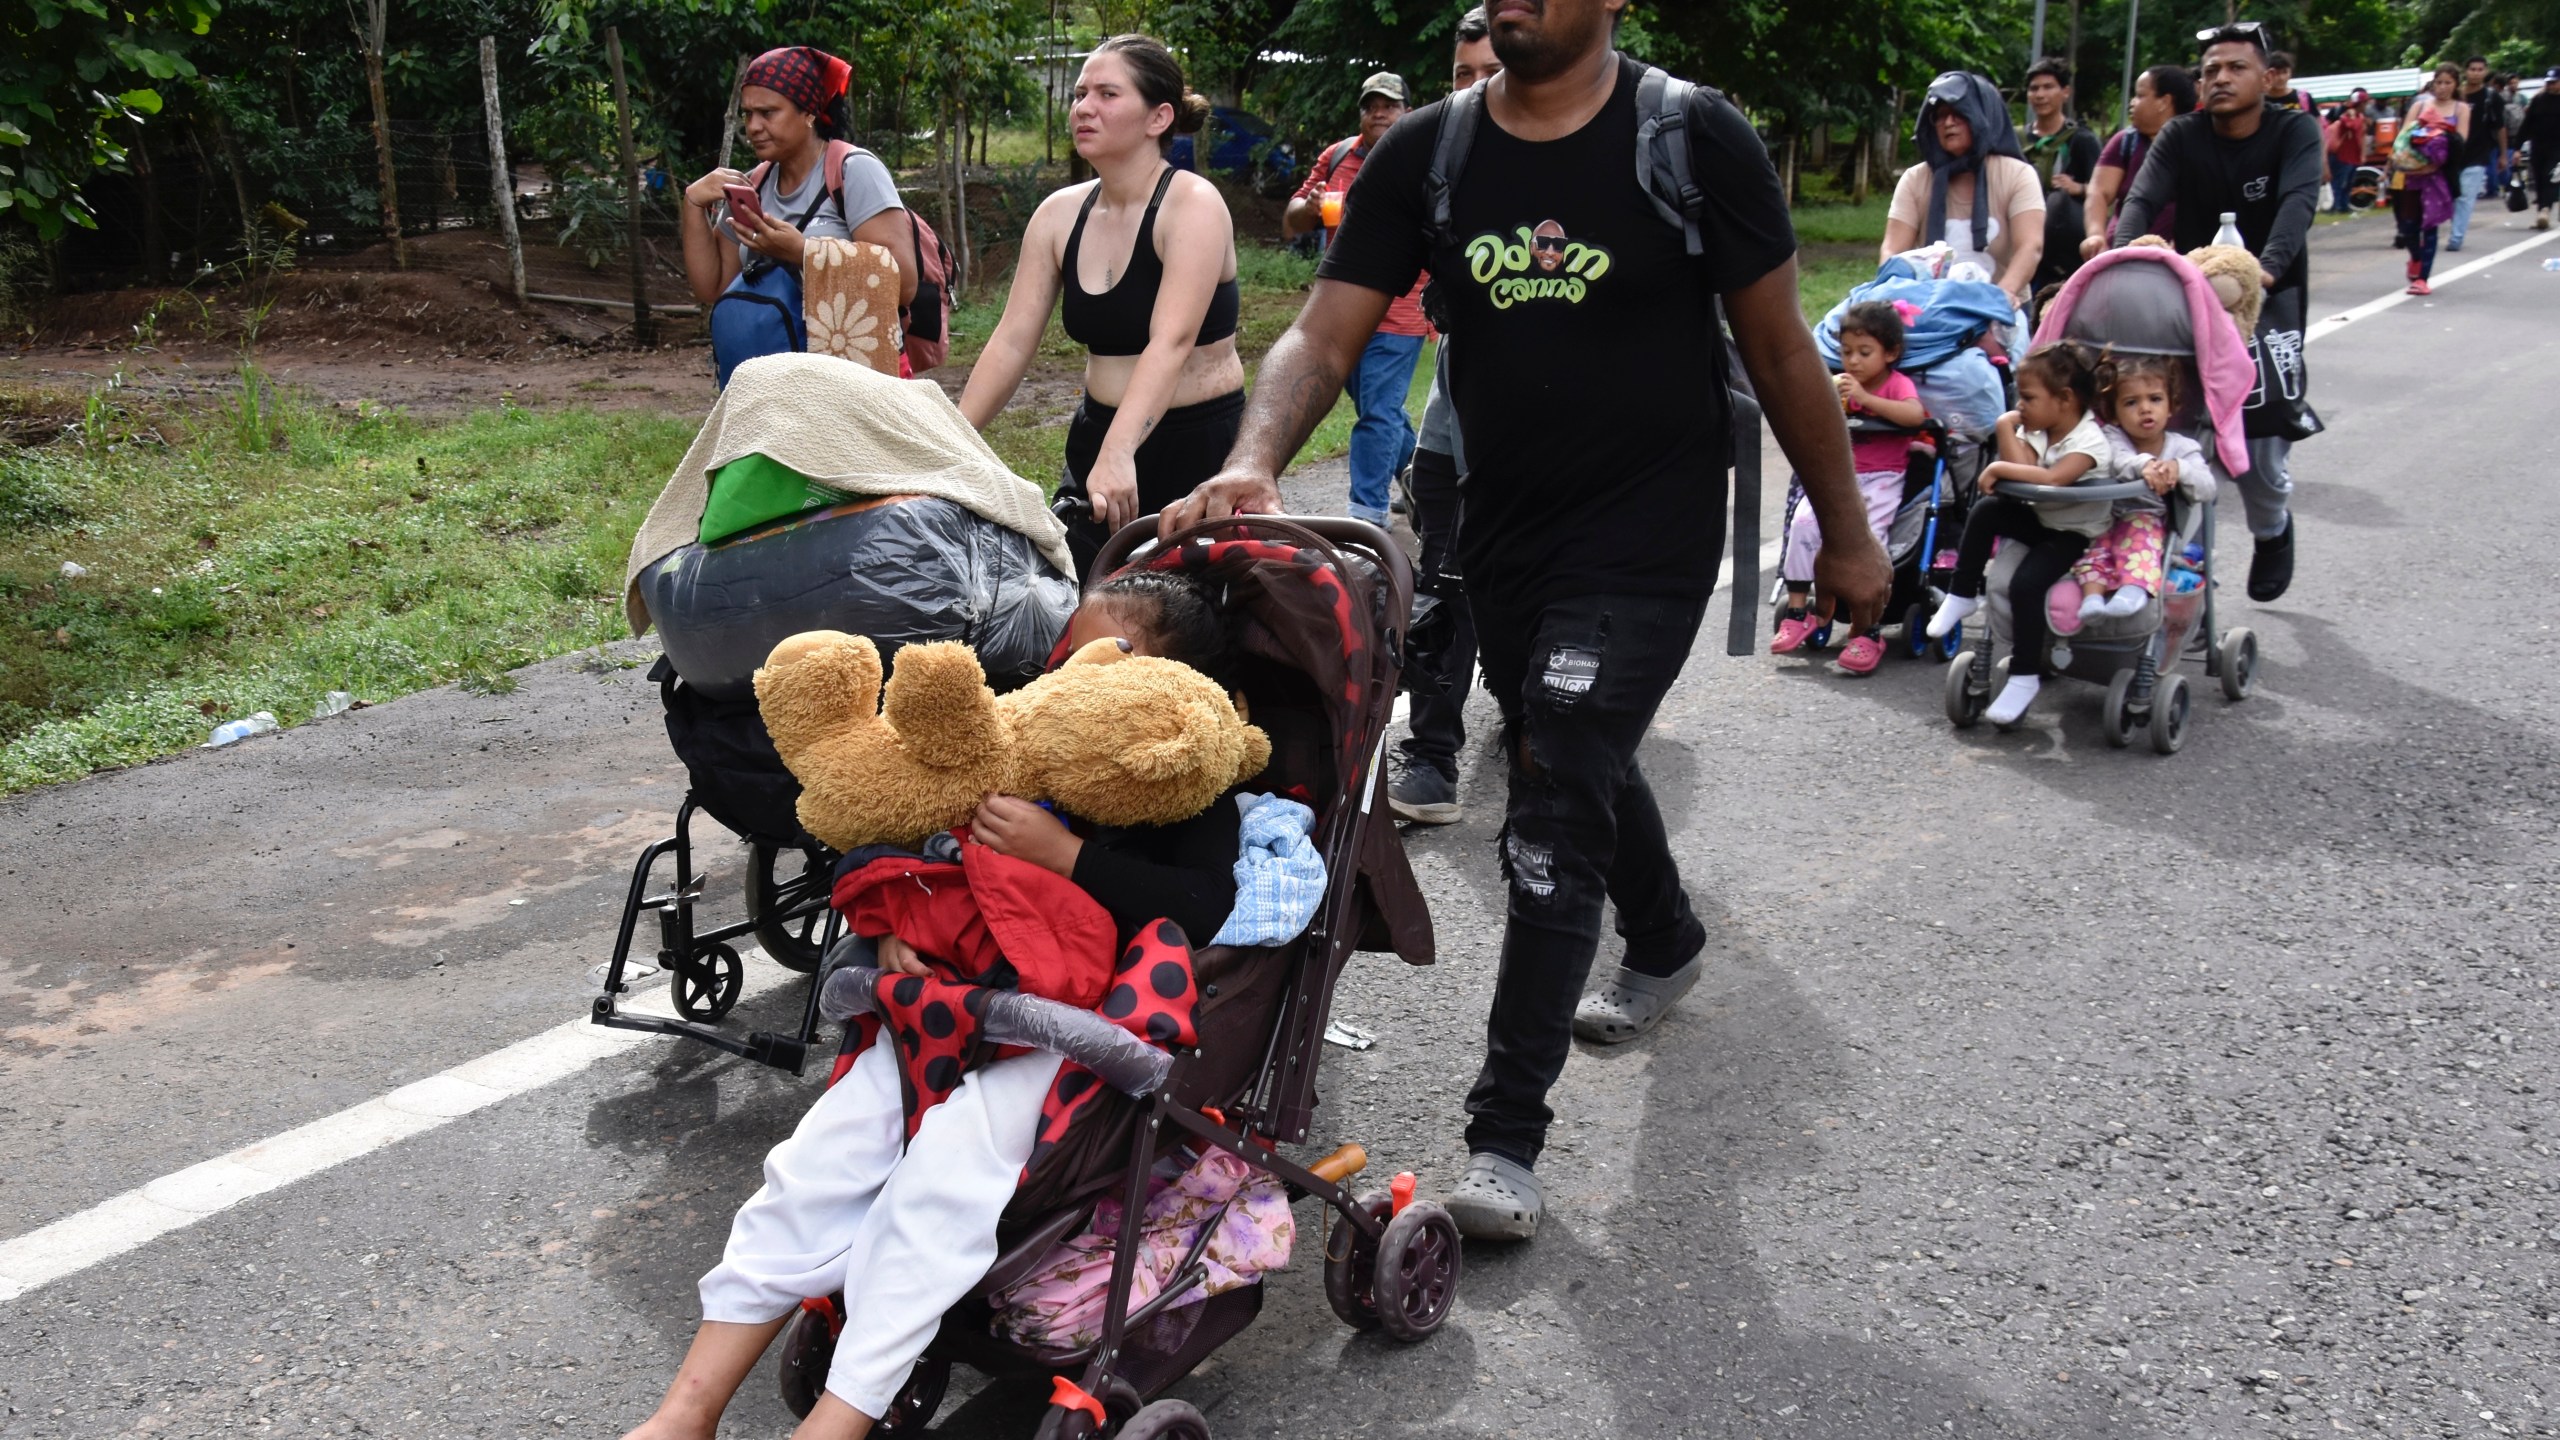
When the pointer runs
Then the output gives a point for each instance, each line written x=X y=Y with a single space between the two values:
x=2121 y=570
x=1870 y=347
x=904 y=1226
x=2051 y=439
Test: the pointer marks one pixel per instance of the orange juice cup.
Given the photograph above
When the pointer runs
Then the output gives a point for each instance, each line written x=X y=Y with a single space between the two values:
x=1330 y=207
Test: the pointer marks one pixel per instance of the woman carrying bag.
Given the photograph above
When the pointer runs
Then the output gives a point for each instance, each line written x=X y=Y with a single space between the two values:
x=796 y=123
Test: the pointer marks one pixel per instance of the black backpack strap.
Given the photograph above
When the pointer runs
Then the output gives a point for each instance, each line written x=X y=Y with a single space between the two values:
x=1449 y=161
x=1663 y=169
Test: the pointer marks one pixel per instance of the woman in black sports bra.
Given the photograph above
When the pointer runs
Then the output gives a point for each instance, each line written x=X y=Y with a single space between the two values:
x=1143 y=262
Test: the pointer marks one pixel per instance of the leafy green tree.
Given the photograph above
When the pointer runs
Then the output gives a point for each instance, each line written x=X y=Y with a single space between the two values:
x=70 y=71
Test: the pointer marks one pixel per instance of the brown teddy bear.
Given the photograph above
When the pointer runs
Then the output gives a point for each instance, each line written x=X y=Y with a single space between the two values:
x=1114 y=738
x=2236 y=280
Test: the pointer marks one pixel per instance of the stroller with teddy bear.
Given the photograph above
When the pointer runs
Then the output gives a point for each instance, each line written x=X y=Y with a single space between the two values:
x=1321 y=607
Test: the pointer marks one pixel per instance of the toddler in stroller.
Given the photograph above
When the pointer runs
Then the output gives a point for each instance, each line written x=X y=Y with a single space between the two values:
x=990 y=1185
x=2051 y=440
x=2177 y=375
x=2121 y=571
x=1885 y=410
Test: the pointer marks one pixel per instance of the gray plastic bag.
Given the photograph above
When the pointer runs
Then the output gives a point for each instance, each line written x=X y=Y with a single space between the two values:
x=914 y=570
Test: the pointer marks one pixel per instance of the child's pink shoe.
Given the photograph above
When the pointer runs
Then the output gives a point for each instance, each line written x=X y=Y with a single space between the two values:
x=1793 y=632
x=1862 y=654
x=2062 y=607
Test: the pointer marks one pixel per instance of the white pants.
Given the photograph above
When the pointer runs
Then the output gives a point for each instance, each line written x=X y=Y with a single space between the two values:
x=904 y=1238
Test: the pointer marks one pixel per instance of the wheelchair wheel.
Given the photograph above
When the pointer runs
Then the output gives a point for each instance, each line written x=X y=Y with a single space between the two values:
x=706 y=985
x=778 y=881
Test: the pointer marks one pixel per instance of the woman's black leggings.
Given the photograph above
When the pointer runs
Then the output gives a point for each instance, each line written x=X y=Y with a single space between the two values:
x=2050 y=556
x=1188 y=445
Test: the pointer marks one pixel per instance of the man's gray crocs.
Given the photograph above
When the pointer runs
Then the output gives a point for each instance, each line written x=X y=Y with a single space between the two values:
x=1632 y=1003
x=1497 y=1199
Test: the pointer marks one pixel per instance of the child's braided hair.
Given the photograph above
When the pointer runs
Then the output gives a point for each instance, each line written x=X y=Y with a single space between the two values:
x=1182 y=619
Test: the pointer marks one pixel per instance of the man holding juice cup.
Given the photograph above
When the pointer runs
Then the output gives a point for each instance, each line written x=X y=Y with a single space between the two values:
x=1383 y=438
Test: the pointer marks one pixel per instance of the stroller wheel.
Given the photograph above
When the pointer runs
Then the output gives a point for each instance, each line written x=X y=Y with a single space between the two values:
x=2239 y=668
x=1915 y=630
x=1419 y=1261
x=707 y=984
x=1167 y=1420
x=913 y=1408
x=779 y=882
x=2117 y=714
x=1351 y=1264
x=1953 y=645
x=1965 y=704
x=2169 y=714
x=808 y=1347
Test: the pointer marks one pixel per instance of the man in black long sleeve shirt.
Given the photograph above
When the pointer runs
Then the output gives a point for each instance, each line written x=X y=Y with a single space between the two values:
x=2241 y=156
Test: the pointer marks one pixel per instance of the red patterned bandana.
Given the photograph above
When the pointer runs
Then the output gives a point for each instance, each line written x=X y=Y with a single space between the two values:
x=807 y=77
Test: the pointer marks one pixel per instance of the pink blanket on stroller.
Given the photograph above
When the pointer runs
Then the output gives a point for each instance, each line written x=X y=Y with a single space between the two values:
x=2224 y=366
x=1059 y=1305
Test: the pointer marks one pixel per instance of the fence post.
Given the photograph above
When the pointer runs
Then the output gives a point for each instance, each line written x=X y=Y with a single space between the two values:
x=376 y=18
x=502 y=176
x=729 y=122
x=641 y=329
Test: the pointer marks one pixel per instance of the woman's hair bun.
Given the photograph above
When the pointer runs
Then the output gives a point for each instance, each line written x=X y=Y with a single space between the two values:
x=1190 y=113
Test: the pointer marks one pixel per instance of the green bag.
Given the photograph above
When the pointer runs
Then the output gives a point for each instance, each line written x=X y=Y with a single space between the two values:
x=753 y=489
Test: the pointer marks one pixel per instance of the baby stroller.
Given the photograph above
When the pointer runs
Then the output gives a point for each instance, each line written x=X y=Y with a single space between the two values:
x=1937 y=493
x=2138 y=301
x=1323 y=602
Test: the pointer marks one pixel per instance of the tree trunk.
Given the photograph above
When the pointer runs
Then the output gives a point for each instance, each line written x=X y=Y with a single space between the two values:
x=502 y=176
x=1864 y=164
x=642 y=329
x=729 y=123
x=238 y=165
x=155 y=244
x=1787 y=171
x=377 y=18
x=2071 y=56
x=960 y=193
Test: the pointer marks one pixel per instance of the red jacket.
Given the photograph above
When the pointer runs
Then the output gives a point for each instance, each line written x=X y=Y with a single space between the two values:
x=987 y=908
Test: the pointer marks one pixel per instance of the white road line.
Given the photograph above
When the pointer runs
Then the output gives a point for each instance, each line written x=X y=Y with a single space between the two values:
x=179 y=1199
x=2366 y=311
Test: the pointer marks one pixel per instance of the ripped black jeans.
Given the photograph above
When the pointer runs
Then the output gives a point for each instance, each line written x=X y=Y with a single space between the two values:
x=1578 y=682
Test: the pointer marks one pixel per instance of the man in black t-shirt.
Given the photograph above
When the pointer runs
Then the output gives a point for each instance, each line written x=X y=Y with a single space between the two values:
x=2242 y=156
x=2480 y=156
x=1589 y=390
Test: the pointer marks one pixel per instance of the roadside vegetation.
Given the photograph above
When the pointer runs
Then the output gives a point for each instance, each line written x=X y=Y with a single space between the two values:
x=224 y=570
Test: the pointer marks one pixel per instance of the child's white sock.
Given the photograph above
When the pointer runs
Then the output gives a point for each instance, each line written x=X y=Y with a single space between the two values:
x=2127 y=601
x=2093 y=604
x=2013 y=699
x=1951 y=613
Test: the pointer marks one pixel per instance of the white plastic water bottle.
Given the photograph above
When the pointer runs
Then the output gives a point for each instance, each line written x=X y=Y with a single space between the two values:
x=233 y=731
x=2229 y=234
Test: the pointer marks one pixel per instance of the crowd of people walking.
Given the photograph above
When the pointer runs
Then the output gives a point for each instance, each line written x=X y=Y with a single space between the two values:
x=1570 y=563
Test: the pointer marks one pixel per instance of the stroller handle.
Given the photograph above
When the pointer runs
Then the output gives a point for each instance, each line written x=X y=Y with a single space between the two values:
x=1339 y=531
x=2070 y=494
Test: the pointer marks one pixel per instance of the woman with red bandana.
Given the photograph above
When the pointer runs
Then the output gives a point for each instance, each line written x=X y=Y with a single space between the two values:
x=794 y=103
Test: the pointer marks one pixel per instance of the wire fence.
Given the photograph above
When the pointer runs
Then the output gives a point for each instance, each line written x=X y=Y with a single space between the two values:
x=179 y=216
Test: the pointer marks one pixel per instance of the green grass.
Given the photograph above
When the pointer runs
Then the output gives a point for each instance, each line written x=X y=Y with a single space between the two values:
x=1824 y=280
x=1838 y=222
x=242 y=570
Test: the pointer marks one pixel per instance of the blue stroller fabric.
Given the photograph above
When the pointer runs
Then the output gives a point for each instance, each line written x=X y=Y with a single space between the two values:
x=1279 y=874
x=1939 y=317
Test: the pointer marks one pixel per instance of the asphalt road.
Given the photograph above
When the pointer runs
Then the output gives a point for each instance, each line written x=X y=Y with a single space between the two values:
x=2037 y=1089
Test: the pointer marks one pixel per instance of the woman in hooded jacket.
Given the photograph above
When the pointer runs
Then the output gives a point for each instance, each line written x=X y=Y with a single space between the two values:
x=1969 y=151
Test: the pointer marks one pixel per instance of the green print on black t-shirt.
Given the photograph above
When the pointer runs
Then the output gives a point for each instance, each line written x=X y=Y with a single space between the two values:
x=1544 y=265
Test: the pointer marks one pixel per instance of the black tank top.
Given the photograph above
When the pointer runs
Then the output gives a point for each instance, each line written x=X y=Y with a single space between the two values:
x=1116 y=321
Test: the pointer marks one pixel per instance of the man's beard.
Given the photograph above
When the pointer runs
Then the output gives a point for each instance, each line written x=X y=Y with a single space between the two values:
x=1549 y=54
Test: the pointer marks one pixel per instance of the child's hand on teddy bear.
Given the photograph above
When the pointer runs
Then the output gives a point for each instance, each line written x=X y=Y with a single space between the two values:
x=897 y=957
x=1009 y=825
